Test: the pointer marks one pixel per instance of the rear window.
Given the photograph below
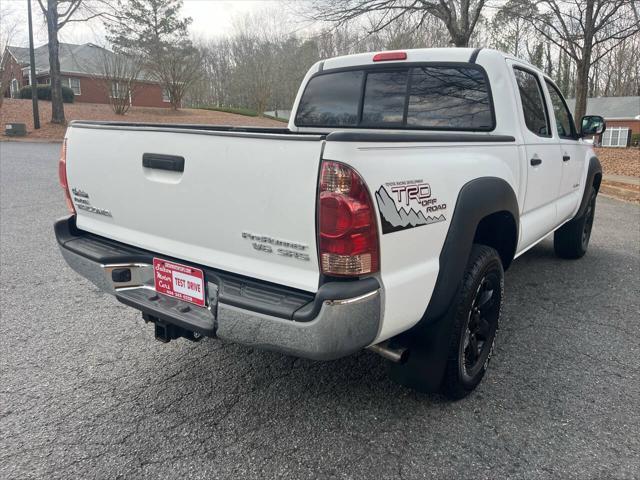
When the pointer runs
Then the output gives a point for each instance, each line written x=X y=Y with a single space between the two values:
x=438 y=97
x=331 y=100
x=384 y=98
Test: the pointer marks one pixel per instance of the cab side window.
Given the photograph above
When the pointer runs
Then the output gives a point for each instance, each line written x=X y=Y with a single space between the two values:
x=564 y=122
x=533 y=105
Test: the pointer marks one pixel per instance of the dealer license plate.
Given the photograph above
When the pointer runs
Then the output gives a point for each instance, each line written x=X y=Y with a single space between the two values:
x=179 y=281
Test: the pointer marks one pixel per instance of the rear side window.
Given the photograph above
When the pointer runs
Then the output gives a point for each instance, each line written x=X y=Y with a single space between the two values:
x=331 y=100
x=564 y=122
x=438 y=97
x=533 y=106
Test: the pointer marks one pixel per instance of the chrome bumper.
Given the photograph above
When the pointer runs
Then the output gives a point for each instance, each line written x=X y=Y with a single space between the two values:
x=340 y=328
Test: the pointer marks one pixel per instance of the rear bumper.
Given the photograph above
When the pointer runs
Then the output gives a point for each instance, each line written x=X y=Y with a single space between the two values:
x=340 y=319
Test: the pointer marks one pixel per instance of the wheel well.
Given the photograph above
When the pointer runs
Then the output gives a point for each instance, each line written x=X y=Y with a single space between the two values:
x=499 y=231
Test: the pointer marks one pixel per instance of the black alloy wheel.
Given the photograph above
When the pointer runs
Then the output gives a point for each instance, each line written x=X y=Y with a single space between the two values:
x=572 y=239
x=451 y=353
x=481 y=326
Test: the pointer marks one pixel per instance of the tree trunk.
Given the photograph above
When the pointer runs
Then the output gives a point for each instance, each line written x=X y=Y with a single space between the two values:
x=583 y=66
x=461 y=42
x=582 y=78
x=175 y=99
x=32 y=72
x=458 y=38
x=57 y=106
x=5 y=80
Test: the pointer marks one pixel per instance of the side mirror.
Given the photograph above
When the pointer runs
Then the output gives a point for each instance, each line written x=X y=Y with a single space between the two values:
x=592 y=125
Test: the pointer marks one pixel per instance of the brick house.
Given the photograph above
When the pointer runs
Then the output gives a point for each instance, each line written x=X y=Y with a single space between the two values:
x=622 y=115
x=81 y=68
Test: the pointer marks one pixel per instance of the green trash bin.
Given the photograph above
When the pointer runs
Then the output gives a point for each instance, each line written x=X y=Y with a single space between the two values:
x=15 y=129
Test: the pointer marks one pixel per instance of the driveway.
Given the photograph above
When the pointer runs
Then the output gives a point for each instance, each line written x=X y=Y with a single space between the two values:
x=86 y=392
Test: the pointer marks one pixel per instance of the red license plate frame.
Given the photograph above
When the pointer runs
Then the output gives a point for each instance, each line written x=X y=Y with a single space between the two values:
x=179 y=281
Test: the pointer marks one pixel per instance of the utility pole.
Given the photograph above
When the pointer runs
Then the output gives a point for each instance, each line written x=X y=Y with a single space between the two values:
x=32 y=77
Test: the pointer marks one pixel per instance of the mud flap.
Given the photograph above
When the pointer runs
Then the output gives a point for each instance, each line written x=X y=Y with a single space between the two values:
x=428 y=345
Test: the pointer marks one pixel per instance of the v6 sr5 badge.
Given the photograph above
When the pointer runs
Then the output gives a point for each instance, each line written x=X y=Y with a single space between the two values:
x=408 y=204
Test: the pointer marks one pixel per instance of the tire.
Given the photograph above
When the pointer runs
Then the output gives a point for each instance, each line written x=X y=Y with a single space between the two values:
x=437 y=359
x=476 y=316
x=572 y=239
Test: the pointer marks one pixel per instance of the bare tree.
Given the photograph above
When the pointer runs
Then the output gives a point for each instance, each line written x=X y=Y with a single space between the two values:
x=261 y=65
x=214 y=84
x=408 y=32
x=585 y=30
x=341 y=40
x=178 y=67
x=120 y=76
x=253 y=71
x=511 y=31
x=254 y=48
x=615 y=74
x=57 y=14
x=460 y=17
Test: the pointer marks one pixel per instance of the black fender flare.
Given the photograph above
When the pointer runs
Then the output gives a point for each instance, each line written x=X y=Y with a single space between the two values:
x=428 y=341
x=590 y=184
x=476 y=200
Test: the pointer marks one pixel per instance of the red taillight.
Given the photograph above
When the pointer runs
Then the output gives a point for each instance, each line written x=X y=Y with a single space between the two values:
x=347 y=229
x=62 y=165
x=62 y=176
x=388 y=56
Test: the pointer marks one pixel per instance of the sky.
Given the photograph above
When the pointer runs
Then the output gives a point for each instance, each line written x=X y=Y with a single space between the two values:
x=211 y=18
x=215 y=17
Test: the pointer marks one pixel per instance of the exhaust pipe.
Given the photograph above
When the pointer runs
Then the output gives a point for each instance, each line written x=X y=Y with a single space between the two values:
x=395 y=355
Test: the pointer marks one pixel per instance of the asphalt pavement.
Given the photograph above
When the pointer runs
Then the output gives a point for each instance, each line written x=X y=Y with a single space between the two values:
x=86 y=392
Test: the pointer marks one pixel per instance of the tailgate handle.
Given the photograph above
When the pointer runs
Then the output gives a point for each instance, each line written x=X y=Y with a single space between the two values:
x=173 y=163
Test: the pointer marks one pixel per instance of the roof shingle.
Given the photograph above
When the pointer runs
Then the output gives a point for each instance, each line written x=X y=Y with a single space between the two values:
x=84 y=59
x=610 y=107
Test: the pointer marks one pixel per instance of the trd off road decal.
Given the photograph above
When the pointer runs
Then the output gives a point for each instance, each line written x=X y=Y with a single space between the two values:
x=408 y=204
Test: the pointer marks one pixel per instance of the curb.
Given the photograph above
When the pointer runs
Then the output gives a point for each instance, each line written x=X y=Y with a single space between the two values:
x=621 y=179
x=29 y=140
x=626 y=192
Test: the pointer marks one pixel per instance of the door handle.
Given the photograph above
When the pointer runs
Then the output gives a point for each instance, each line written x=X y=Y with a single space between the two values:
x=566 y=158
x=535 y=161
x=173 y=163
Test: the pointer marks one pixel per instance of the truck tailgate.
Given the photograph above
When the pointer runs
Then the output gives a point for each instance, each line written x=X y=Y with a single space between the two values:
x=244 y=203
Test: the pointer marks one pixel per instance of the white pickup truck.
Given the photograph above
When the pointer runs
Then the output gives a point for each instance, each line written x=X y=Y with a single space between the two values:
x=382 y=217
